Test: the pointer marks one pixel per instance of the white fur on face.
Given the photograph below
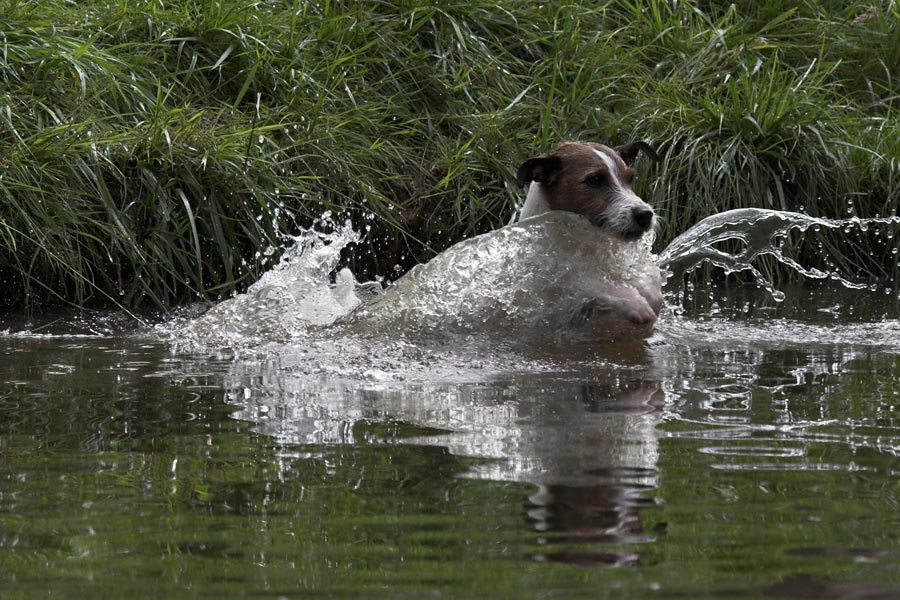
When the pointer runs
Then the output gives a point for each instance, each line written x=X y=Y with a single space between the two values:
x=611 y=164
x=619 y=212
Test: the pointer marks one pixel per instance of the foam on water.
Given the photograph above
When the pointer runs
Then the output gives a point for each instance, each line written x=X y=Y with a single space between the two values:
x=442 y=321
x=530 y=280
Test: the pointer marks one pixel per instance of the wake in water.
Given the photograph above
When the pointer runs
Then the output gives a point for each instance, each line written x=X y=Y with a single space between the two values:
x=527 y=281
x=530 y=280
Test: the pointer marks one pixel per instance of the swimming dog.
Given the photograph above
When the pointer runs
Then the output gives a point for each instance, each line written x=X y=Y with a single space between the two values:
x=573 y=268
x=596 y=181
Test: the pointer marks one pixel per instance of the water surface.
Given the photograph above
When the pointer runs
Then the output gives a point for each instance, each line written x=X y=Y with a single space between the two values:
x=748 y=449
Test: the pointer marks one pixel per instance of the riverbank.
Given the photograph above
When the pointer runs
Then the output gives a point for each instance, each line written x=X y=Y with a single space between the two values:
x=152 y=155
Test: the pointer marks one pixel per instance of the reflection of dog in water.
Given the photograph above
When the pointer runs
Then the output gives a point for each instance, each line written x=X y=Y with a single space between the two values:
x=596 y=181
x=596 y=502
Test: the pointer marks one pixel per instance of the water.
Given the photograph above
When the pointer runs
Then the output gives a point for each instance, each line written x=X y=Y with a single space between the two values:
x=748 y=449
x=758 y=233
x=501 y=285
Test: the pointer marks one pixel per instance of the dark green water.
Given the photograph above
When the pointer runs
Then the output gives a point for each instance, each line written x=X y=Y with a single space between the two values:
x=746 y=459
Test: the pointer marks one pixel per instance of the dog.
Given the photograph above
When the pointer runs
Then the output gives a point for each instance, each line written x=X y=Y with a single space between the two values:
x=596 y=181
x=574 y=266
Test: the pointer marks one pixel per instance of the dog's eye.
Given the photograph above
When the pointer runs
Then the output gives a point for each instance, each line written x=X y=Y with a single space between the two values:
x=596 y=180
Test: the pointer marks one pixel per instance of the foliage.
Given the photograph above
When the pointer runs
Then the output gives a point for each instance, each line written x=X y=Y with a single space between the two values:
x=153 y=153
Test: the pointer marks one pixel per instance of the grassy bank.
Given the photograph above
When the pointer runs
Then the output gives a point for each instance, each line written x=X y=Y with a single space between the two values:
x=151 y=153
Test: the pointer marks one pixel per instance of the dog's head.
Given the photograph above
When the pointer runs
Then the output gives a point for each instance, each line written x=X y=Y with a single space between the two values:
x=595 y=181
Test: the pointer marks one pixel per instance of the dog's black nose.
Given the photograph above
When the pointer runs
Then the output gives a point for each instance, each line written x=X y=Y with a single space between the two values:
x=643 y=217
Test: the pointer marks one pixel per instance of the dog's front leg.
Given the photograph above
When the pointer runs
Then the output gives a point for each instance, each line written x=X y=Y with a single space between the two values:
x=625 y=303
x=650 y=289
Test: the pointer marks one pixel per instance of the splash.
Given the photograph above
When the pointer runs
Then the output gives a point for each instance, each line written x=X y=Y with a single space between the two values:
x=527 y=282
x=758 y=232
x=535 y=279
x=304 y=291
x=531 y=280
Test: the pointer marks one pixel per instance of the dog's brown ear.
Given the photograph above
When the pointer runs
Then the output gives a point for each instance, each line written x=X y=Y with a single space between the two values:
x=629 y=152
x=543 y=169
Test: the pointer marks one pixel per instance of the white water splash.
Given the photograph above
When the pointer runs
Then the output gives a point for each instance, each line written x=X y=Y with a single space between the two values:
x=526 y=282
x=535 y=279
x=531 y=280
x=759 y=232
x=302 y=292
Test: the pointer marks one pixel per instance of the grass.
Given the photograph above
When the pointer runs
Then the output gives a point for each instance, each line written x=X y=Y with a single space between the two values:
x=156 y=153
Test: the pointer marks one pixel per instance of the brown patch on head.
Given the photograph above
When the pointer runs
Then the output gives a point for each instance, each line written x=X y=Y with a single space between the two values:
x=595 y=181
x=584 y=177
x=575 y=176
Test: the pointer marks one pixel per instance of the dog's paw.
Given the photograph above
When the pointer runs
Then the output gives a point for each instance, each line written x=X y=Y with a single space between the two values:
x=651 y=291
x=627 y=306
x=590 y=308
x=641 y=314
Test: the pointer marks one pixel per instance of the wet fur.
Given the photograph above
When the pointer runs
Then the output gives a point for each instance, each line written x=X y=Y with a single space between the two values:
x=597 y=181
x=592 y=180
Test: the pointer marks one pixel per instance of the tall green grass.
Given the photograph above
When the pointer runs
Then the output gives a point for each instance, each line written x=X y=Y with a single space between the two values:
x=155 y=153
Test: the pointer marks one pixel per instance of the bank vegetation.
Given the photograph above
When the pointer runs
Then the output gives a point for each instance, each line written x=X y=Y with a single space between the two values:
x=156 y=153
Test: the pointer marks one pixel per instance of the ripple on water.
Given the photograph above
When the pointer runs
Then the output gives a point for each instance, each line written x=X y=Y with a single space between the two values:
x=777 y=333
